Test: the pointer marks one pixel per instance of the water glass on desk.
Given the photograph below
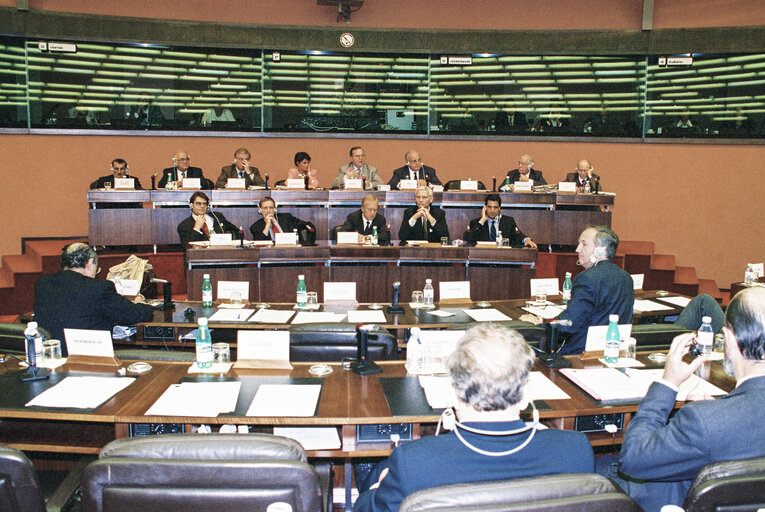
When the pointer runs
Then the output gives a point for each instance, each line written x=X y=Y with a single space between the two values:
x=221 y=353
x=312 y=299
x=417 y=298
x=51 y=350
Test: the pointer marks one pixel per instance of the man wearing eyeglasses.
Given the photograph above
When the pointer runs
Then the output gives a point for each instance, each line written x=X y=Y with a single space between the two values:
x=203 y=222
x=240 y=167
x=182 y=169
x=73 y=298
x=524 y=172
x=414 y=170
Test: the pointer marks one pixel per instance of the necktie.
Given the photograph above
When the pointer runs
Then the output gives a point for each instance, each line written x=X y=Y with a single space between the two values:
x=206 y=230
x=274 y=229
x=492 y=231
x=182 y=175
x=367 y=227
x=424 y=228
x=241 y=174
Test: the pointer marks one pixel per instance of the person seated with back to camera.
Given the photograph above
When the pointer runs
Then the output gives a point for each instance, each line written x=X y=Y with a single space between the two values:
x=203 y=222
x=303 y=168
x=489 y=371
x=364 y=219
x=273 y=222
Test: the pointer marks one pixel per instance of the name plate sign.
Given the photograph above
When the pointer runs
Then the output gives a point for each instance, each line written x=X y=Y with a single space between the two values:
x=523 y=186
x=339 y=292
x=548 y=286
x=567 y=186
x=347 y=237
x=353 y=183
x=226 y=288
x=192 y=183
x=407 y=184
x=468 y=185
x=295 y=183
x=285 y=238
x=220 y=238
x=233 y=183
x=454 y=290
x=124 y=183
x=88 y=342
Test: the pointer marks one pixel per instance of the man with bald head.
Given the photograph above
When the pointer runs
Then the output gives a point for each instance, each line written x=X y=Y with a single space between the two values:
x=182 y=169
x=414 y=170
x=583 y=175
x=524 y=172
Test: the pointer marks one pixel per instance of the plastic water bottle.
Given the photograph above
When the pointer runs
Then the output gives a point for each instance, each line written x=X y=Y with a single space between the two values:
x=427 y=293
x=499 y=238
x=207 y=299
x=414 y=352
x=587 y=186
x=611 y=353
x=705 y=336
x=373 y=239
x=750 y=276
x=32 y=334
x=302 y=293
x=566 y=292
x=204 y=345
x=506 y=186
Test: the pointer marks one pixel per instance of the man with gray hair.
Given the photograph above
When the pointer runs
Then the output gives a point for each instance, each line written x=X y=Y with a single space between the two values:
x=666 y=454
x=423 y=221
x=489 y=371
x=73 y=298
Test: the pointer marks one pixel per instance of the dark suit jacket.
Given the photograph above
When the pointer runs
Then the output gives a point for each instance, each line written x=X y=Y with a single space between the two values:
x=441 y=460
x=68 y=299
x=574 y=178
x=503 y=122
x=601 y=290
x=170 y=174
x=151 y=116
x=670 y=454
x=187 y=233
x=103 y=180
x=534 y=174
x=230 y=171
x=507 y=226
x=426 y=173
x=354 y=222
x=435 y=233
x=287 y=222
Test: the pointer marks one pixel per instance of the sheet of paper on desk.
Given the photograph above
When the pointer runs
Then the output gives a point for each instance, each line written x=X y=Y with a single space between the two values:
x=197 y=399
x=312 y=438
x=285 y=400
x=310 y=317
x=695 y=387
x=546 y=312
x=364 y=316
x=643 y=305
x=624 y=362
x=231 y=315
x=441 y=312
x=678 y=301
x=486 y=315
x=438 y=390
x=607 y=383
x=81 y=392
x=272 y=316
x=540 y=387
x=215 y=368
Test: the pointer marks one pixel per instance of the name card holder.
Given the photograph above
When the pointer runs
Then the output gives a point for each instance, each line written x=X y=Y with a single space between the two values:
x=234 y=183
x=547 y=286
x=348 y=238
x=340 y=295
x=468 y=185
x=523 y=186
x=124 y=183
x=295 y=183
x=383 y=188
x=220 y=238
x=407 y=185
x=90 y=347
x=192 y=183
x=353 y=184
x=454 y=292
x=285 y=238
x=566 y=187
x=437 y=188
x=268 y=350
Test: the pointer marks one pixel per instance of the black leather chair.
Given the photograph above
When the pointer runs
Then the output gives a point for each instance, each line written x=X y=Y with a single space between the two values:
x=737 y=485
x=533 y=334
x=656 y=336
x=333 y=342
x=565 y=492
x=188 y=472
x=144 y=354
x=12 y=340
x=455 y=185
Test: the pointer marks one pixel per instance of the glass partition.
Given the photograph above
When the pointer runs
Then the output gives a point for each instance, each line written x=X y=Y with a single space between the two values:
x=13 y=84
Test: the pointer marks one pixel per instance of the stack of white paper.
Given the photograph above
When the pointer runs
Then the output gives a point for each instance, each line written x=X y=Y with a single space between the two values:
x=285 y=400
x=272 y=316
x=197 y=399
x=310 y=317
x=487 y=315
x=677 y=301
x=546 y=312
x=81 y=392
x=643 y=305
x=366 y=317
x=231 y=315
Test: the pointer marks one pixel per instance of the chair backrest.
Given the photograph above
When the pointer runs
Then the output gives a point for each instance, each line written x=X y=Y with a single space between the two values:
x=732 y=485
x=333 y=342
x=19 y=487
x=148 y=354
x=656 y=336
x=307 y=234
x=564 y=492
x=534 y=335
x=12 y=337
x=183 y=472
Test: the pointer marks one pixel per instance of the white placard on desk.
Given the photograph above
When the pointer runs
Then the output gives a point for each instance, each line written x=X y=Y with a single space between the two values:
x=124 y=183
x=225 y=288
x=637 y=281
x=757 y=267
x=523 y=186
x=383 y=188
x=407 y=184
x=234 y=183
x=339 y=292
x=347 y=237
x=220 y=238
x=468 y=185
x=89 y=342
x=454 y=290
x=353 y=183
x=566 y=186
x=286 y=238
x=192 y=183
x=127 y=287
x=548 y=286
x=268 y=345
x=437 y=188
x=295 y=183
x=596 y=336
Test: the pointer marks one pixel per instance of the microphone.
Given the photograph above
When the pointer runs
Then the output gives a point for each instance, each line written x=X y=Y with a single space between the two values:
x=362 y=365
x=395 y=308
x=167 y=293
x=493 y=183
x=563 y=323
x=210 y=209
x=267 y=182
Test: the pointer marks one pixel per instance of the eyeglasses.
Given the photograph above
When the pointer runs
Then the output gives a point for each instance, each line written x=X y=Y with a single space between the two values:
x=98 y=270
x=186 y=159
x=200 y=203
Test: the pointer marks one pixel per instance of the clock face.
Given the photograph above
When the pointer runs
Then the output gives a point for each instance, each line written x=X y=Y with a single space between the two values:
x=347 y=39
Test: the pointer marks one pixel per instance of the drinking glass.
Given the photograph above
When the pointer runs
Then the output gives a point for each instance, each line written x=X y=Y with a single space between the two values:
x=221 y=353
x=313 y=299
x=51 y=350
x=417 y=298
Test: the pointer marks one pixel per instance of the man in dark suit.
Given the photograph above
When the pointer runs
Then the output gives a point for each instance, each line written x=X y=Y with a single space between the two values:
x=72 y=298
x=492 y=222
x=120 y=169
x=146 y=114
x=272 y=222
x=240 y=168
x=668 y=453
x=363 y=220
x=182 y=169
x=203 y=222
x=423 y=221
x=584 y=175
x=489 y=370
x=524 y=172
x=414 y=170
x=510 y=120
x=602 y=289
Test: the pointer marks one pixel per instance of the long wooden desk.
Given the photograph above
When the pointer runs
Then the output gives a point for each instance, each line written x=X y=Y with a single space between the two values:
x=548 y=218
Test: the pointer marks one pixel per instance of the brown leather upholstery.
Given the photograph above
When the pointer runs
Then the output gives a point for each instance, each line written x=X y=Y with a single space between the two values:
x=19 y=487
x=333 y=342
x=12 y=338
x=733 y=485
x=564 y=492
x=186 y=472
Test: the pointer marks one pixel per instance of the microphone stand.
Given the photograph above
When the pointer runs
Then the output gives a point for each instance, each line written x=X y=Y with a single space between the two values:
x=362 y=365
x=551 y=358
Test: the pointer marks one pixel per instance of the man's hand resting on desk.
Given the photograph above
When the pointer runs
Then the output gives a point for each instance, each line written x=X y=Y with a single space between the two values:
x=677 y=371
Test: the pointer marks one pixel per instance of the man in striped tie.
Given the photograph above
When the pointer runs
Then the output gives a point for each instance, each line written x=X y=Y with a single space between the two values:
x=272 y=222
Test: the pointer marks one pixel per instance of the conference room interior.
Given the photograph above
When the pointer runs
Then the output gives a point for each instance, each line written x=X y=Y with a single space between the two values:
x=693 y=195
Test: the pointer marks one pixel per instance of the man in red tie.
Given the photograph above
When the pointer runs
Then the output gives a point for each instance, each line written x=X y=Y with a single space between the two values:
x=272 y=222
x=203 y=221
